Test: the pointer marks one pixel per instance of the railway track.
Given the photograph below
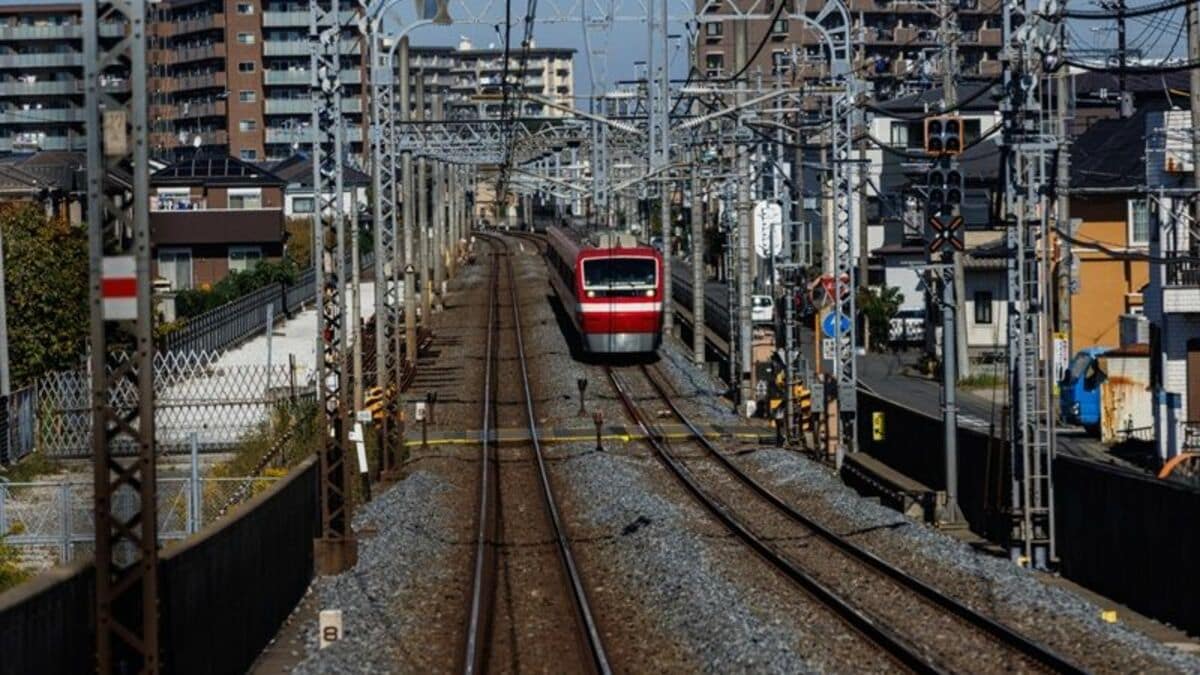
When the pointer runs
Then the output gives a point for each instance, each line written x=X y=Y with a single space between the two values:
x=481 y=644
x=919 y=627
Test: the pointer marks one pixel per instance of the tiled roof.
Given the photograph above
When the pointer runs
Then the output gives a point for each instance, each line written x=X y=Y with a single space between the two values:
x=214 y=170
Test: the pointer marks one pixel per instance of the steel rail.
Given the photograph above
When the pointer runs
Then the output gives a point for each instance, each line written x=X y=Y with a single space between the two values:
x=998 y=631
x=475 y=656
x=891 y=643
x=484 y=569
x=583 y=610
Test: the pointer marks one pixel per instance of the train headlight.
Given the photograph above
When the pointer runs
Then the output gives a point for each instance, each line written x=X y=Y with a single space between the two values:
x=591 y=294
x=650 y=293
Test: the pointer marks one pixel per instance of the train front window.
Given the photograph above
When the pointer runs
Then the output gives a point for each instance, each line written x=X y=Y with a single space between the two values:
x=615 y=277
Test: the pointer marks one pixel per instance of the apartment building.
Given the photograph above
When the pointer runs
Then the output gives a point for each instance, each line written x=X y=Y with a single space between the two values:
x=41 y=77
x=895 y=41
x=232 y=77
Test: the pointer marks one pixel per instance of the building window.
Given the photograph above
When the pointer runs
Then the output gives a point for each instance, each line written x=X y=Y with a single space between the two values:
x=249 y=155
x=242 y=258
x=175 y=265
x=1139 y=222
x=983 y=307
x=714 y=64
x=245 y=198
x=780 y=27
x=899 y=135
x=246 y=67
x=245 y=8
x=245 y=38
x=302 y=205
x=247 y=125
x=779 y=61
x=247 y=96
x=714 y=29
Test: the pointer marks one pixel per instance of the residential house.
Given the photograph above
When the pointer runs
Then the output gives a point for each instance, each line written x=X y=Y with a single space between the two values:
x=298 y=198
x=53 y=179
x=1172 y=296
x=1111 y=228
x=213 y=214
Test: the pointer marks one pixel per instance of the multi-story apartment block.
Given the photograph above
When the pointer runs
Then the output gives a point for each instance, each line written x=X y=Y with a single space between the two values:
x=41 y=77
x=895 y=42
x=233 y=76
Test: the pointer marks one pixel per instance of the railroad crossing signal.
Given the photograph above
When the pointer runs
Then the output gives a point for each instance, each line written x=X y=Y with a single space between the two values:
x=946 y=234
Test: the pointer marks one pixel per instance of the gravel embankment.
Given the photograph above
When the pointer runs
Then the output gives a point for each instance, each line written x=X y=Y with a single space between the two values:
x=1060 y=619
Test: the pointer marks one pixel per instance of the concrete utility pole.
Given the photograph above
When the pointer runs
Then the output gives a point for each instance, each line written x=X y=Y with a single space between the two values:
x=1193 y=29
x=423 y=211
x=698 y=221
x=355 y=324
x=406 y=178
x=955 y=359
x=745 y=232
x=1062 y=218
x=440 y=221
x=5 y=381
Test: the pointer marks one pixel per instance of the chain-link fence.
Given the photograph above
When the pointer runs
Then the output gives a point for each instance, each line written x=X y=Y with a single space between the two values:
x=51 y=522
x=194 y=394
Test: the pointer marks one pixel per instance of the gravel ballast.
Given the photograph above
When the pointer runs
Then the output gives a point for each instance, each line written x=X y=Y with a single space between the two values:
x=1060 y=619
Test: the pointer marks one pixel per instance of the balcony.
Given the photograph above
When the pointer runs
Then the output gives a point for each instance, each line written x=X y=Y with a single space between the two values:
x=1181 y=294
x=72 y=31
x=215 y=80
x=297 y=19
x=196 y=25
x=43 y=116
x=303 y=48
x=42 y=60
x=990 y=37
x=304 y=136
x=47 y=88
x=304 y=106
x=43 y=142
x=215 y=50
x=297 y=78
x=196 y=110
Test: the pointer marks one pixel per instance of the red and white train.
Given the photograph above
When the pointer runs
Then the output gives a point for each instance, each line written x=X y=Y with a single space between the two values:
x=613 y=290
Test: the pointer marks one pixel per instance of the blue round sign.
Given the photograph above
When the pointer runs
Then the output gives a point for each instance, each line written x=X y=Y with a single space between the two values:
x=832 y=327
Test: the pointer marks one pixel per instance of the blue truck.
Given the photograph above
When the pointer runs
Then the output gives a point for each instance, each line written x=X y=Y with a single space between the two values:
x=1079 y=390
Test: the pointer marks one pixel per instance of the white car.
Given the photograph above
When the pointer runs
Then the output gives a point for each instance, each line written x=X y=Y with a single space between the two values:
x=762 y=309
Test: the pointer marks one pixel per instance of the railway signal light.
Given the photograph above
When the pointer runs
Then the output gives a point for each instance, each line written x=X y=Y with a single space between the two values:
x=945 y=185
x=943 y=135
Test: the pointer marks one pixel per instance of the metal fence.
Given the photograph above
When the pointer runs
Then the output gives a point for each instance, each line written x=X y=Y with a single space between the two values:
x=194 y=394
x=225 y=326
x=51 y=522
x=18 y=420
x=222 y=327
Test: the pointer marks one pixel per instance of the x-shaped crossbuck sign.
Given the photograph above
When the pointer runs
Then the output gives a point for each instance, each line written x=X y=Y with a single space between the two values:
x=946 y=234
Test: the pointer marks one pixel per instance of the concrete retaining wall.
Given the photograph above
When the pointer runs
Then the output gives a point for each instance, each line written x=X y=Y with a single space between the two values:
x=224 y=593
x=1130 y=537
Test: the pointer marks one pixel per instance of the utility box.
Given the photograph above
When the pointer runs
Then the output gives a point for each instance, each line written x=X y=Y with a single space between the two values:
x=1126 y=410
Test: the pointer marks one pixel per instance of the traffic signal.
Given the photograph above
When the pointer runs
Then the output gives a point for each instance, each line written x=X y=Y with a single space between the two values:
x=945 y=185
x=943 y=135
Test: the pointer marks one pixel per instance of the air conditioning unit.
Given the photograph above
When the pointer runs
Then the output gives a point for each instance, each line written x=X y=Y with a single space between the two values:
x=1134 y=330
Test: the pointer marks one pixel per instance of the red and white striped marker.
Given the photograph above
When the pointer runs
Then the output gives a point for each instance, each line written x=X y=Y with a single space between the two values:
x=118 y=288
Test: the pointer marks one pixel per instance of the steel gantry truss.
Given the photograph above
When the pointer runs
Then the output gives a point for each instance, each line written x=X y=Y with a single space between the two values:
x=118 y=203
x=336 y=549
x=1030 y=138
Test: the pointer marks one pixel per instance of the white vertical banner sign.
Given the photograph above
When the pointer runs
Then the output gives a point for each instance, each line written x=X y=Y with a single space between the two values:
x=768 y=229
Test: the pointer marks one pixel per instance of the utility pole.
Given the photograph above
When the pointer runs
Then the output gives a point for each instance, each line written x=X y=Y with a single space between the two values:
x=955 y=360
x=1193 y=30
x=699 y=328
x=1063 y=208
x=5 y=381
x=441 y=220
x=745 y=232
x=658 y=85
x=423 y=211
x=406 y=178
x=355 y=323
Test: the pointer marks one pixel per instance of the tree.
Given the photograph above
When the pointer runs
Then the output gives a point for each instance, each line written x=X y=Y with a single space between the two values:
x=879 y=307
x=46 y=269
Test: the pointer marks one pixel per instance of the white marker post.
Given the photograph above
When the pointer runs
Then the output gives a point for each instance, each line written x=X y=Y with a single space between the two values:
x=329 y=624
